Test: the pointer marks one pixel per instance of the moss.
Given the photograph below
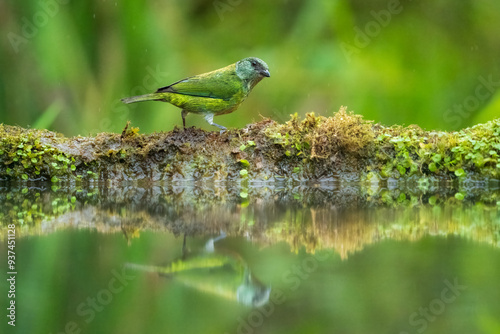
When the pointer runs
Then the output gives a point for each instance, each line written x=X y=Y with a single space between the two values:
x=25 y=155
x=344 y=146
x=470 y=151
x=343 y=133
x=321 y=137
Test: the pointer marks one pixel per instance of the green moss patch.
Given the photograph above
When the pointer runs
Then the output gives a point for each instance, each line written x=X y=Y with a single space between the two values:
x=342 y=147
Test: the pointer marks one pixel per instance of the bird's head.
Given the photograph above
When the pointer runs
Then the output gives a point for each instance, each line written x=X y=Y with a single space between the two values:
x=252 y=70
x=251 y=292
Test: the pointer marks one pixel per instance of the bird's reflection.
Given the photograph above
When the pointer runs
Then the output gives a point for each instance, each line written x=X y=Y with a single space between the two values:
x=215 y=271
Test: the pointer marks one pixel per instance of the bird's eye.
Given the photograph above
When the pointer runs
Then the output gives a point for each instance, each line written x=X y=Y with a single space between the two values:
x=253 y=62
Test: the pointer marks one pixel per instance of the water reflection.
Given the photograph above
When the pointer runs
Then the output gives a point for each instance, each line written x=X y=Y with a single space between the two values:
x=343 y=217
x=341 y=258
x=216 y=271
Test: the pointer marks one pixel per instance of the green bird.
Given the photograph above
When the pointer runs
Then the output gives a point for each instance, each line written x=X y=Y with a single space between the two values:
x=213 y=271
x=211 y=94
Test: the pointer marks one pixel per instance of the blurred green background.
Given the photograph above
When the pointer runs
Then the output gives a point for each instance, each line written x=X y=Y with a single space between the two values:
x=65 y=64
x=67 y=274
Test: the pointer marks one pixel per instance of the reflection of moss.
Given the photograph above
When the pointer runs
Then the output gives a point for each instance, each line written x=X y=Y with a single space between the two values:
x=29 y=208
x=345 y=219
x=343 y=146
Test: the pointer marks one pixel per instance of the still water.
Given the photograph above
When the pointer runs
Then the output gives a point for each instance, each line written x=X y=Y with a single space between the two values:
x=318 y=258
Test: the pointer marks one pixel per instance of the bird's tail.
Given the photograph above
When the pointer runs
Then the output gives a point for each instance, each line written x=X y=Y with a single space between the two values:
x=142 y=267
x=140 y=98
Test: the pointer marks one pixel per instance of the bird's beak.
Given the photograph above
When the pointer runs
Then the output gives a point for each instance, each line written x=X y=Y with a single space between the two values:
x=265 y=73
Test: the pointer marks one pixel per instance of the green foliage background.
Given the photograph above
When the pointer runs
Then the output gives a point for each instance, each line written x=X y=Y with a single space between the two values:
x=65 y=64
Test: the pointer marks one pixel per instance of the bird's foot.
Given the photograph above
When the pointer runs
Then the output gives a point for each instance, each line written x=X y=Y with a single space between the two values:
x=210 y=119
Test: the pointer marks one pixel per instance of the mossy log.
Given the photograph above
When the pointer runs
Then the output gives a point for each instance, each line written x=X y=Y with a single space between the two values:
x=342 y=147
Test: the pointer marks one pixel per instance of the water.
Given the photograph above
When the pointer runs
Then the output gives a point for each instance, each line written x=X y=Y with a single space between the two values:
x=318 y=258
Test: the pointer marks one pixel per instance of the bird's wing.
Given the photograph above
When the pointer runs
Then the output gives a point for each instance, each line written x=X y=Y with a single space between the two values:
x=217 y=85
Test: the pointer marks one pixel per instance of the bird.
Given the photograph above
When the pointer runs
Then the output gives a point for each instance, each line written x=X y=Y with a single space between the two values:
x=212 y=270
x=213 y=93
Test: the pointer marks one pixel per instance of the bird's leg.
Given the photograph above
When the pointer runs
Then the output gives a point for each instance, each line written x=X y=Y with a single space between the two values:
x=222 y=235
x=209 y=246
x=210 y=119
x=184 y=250
x=184 y=114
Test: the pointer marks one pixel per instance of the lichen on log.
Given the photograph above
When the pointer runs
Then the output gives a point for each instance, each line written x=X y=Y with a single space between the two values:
x=342 y=147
